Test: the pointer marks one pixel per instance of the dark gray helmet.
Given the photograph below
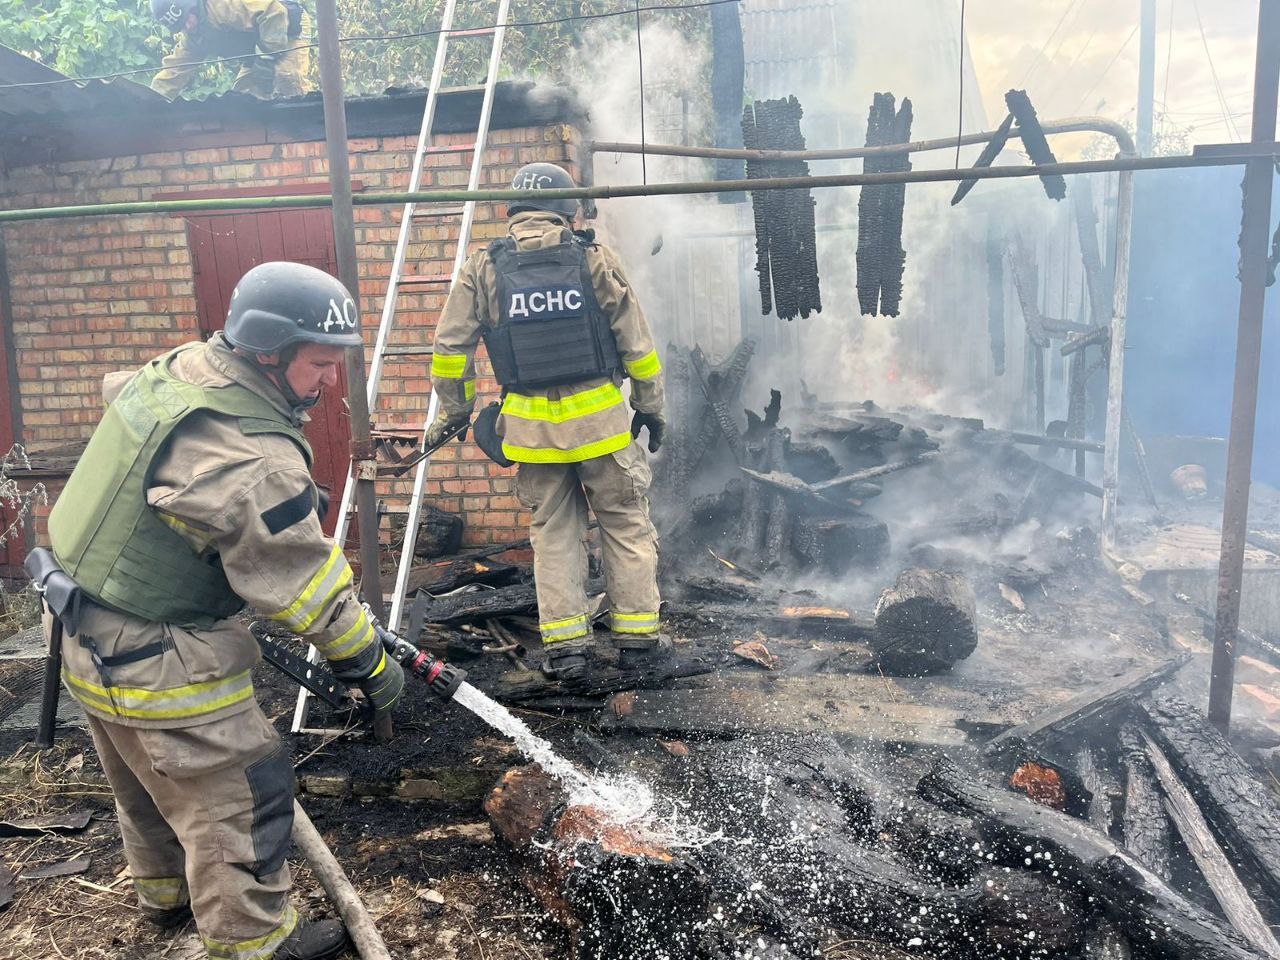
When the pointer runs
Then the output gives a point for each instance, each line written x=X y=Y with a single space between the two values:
x=276 y=305
x=543 y=176
x=173 y=13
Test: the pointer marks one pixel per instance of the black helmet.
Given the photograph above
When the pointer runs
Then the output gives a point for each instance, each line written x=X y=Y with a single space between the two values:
x=173 y=13
x=276 y=305
x=543 y=176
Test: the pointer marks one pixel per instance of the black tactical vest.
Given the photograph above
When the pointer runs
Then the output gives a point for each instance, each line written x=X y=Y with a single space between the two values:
x=550 y=330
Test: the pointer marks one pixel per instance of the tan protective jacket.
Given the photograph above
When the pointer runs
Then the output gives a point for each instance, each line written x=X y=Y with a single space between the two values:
x=249 y=499
x=565 y=424
x=237 y=28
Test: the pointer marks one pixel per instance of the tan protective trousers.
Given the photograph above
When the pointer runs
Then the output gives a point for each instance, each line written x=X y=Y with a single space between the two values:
x=206 y=813
x=614 y=487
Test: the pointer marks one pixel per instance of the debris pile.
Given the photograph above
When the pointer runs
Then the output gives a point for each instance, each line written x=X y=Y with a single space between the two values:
x=1074 y=832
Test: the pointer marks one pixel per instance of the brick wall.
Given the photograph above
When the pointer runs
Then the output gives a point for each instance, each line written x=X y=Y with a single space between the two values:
x=90 y=296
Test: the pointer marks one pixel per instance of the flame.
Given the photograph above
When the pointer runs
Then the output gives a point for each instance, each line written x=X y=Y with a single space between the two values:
x=829 y=613
x=1041 y=784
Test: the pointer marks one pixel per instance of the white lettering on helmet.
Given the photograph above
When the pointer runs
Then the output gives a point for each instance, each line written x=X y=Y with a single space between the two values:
x=532 y=181
x=343 y=317
x=573 y=299
x=518 y=308
x=173 y=16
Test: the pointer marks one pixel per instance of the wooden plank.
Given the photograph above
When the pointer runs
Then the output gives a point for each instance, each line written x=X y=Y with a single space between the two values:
x=1087 y=706
x=1213 y=863
x=879 y=709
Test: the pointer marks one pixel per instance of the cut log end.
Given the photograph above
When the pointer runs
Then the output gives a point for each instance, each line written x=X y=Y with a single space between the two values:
x=925 y=623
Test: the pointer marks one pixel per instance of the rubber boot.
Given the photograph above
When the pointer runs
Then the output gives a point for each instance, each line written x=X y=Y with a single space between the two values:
x=169 y=919
x=313 y=940
x=642 y=651
x=565 y=660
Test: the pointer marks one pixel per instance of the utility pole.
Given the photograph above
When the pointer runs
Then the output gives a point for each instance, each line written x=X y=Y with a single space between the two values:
x=1146 y=76
x=363 y=457
x=1256 y=226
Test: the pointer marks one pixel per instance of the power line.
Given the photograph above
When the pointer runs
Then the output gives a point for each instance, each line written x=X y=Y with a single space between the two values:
x=1108 y=67
x=1217 y=86
x=387 y=38
x=1026 y=76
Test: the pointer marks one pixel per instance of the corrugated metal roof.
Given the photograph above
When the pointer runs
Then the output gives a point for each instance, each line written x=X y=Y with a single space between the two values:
x=63 y=97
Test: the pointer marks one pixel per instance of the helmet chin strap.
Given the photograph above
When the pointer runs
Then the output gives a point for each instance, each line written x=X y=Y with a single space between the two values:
x=275 y=372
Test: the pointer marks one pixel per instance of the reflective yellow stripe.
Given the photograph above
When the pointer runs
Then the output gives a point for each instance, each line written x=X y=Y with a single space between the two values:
x=469 y=389
x=193 y=700
x=566 y=408
x=331 y=578
x=587 y=451
x=382 y=665
x=448 y=367
x=163 y=893
x=634 y=622
x=569 y=628
x=201 y=538
x=359 y=636
x=260 y=948
x=646 y=368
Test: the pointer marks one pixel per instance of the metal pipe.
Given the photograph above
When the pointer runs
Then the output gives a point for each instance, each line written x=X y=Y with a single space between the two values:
x=363 y=465
x=1244 y=402
x=1069 y=125
x=631 y=190
x=1146 y=74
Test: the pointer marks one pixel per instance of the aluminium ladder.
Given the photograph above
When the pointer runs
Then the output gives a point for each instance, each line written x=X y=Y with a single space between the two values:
x=399 y=278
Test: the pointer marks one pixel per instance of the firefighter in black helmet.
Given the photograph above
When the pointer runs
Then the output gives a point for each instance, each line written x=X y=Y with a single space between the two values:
x=563 y=330
x=193 y=498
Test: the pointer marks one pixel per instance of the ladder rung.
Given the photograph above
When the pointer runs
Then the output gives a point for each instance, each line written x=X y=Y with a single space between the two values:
x=421 y=279
x=451 y=148
x=467 y=88
x=407 y=350
x=476 y=32
x=429 y=212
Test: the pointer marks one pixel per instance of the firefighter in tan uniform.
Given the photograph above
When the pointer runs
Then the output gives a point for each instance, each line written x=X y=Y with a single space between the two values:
x=270 y=35
x=194 y=497
x=563 y=329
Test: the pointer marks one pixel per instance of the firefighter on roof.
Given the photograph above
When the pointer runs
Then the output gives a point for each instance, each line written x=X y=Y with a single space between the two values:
x=194 y=497
x=271 y=36
x=563 y=329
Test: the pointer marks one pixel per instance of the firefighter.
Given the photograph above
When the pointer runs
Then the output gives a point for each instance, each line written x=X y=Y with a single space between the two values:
x=270 y=35
x=193 y=498
x=563 y=328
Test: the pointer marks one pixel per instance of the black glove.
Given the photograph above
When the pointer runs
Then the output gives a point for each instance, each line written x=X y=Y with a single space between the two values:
x=383 y=687
x=657 y=427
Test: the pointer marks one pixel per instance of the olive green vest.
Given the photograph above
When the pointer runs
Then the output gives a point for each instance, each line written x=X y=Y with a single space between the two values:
x=108 y=538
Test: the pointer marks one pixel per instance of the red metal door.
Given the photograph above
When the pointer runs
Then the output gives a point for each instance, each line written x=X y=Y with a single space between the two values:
x=223 y=247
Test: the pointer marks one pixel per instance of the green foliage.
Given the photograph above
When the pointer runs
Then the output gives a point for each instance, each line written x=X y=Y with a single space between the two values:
x=94 y=37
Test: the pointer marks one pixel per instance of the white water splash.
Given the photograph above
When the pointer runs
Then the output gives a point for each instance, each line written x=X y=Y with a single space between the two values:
x=625 y=801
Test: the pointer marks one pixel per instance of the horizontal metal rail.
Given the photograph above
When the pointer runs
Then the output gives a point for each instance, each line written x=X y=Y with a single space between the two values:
x=626 y=190
x=1071 y=125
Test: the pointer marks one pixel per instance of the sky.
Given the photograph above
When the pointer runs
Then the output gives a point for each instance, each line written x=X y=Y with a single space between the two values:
x=1079 y=57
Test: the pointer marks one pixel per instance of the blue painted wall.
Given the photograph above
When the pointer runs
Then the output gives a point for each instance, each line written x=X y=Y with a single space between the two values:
x=1183 y=307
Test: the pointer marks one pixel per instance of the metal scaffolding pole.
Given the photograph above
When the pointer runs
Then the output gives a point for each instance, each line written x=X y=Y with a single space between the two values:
x=1258 y=173
x=363 y=462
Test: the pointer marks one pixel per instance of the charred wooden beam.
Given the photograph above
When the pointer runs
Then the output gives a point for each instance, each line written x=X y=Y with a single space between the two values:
x=1144 y=824
x=925 y=623
x=724 y=420
x=1145 y=908
x=1241 y=809
x=988 y=155
x=1102 y=786
x=838 y=543
x=1097 y=707
x=1209 y=857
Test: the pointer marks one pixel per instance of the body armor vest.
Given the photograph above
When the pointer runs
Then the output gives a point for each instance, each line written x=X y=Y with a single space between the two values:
x=550 y=330
x=108 y=538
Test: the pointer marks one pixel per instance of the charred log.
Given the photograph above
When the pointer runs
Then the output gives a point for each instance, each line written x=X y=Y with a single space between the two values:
x=1242 y=811
x=1019 y=830
x=837 y=543
x=925 y=623
x=1033 y=139
x=1145 y=827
